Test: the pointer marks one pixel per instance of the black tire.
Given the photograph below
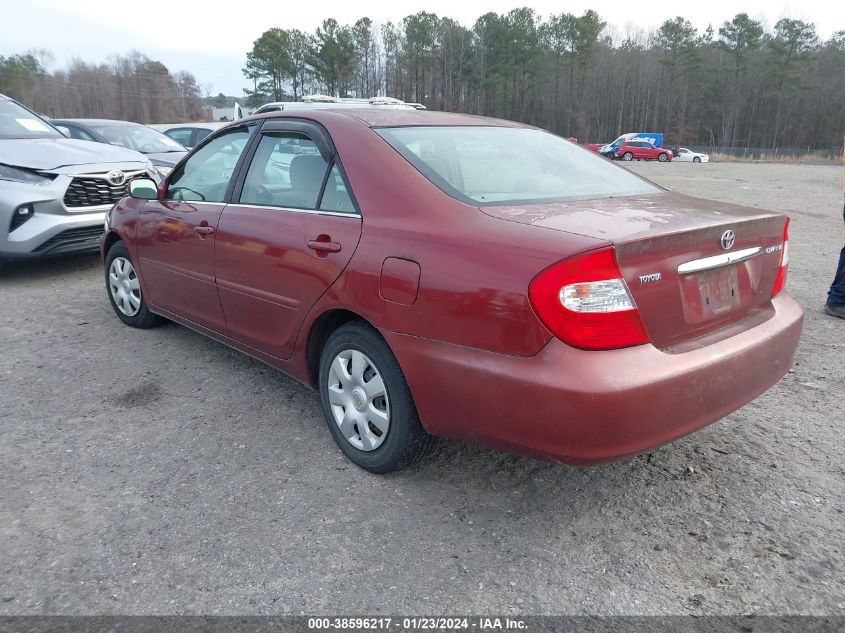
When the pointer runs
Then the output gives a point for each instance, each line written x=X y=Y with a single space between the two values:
x=663 y=157
x=627 y=156
x=696 y=159
x=406 y=441
x=143 y=318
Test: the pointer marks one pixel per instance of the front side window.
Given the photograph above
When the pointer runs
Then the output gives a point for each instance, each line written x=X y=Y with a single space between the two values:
x=79 y=133
x=205 y=176
x=287 y=170
x=501 y=165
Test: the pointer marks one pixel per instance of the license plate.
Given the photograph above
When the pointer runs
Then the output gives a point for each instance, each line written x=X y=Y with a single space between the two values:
x=719 y=290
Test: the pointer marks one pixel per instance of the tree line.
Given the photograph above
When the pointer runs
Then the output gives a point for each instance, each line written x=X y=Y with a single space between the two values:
x=129 y=87
x=735 y=85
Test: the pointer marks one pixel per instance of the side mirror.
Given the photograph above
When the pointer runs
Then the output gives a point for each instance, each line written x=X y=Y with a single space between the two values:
x=143 y=188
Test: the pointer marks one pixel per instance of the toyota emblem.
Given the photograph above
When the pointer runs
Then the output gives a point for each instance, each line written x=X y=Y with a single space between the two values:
x=728 y=239
x=116 y=177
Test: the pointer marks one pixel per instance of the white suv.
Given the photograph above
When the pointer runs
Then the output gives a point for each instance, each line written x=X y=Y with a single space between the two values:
x=324 y=101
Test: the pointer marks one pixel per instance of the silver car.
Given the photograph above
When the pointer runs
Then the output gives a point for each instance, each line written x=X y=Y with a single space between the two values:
x=55 y=191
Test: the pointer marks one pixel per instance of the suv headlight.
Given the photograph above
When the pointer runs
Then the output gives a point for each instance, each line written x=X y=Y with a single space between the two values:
x=16 y=174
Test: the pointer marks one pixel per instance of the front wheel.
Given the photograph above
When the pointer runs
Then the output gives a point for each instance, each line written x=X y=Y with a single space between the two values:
x=366 y=401
x=696 y=159
x=124 y=289
x=627 y=156
x=663 y=157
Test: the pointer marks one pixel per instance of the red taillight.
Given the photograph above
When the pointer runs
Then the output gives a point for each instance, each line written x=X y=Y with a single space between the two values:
x=586 y=303
x=780 y=280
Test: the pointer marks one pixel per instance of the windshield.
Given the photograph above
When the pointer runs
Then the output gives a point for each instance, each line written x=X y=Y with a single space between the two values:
x=500 y=165
x=138 y=137
x=18 y=122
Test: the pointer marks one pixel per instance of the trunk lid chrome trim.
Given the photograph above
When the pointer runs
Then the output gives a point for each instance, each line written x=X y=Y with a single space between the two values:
x=717 y=261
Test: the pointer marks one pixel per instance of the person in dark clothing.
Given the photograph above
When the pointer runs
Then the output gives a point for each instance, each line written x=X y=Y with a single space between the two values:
x=835 y=305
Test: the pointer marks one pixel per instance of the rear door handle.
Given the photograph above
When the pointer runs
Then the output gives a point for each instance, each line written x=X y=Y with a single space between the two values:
x=204 y=230
x=326 y=247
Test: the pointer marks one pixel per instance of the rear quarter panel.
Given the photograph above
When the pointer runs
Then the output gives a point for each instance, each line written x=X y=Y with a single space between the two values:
x=474 y=269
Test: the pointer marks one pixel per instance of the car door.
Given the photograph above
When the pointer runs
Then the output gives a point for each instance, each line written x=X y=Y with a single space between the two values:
x=641 y=150
x=289 y=232
x=176 y=235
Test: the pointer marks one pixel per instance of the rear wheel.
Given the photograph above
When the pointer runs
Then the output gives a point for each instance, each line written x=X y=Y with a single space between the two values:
x=124 y=289
x=627 y=156
x=366 y=401
x=696 y=159
x=663 y=157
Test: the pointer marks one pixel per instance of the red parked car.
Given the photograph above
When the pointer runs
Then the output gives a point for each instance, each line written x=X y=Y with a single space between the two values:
x=643 y=150
x=441 y=274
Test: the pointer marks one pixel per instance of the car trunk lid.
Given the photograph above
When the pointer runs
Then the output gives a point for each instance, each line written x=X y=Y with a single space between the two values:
x=671 y=253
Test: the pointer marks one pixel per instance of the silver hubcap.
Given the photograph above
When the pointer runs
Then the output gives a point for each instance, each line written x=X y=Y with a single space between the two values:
x=124 y=286
x=358 y=400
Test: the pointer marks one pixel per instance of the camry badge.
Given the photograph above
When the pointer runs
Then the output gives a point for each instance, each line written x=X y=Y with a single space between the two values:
x=727 y=240
x=116 y=177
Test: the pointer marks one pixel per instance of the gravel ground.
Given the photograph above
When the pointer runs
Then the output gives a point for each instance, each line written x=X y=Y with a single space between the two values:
x=158 y=472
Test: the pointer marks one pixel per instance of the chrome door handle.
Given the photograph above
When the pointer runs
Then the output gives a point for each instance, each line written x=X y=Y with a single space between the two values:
x=204 y=230
x=327 y=247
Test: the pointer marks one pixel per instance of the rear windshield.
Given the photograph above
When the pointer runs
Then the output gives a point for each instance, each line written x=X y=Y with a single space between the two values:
x=500 y=165
x=18 y=122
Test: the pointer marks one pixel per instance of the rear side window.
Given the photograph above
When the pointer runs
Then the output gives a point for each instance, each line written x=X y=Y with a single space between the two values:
x=199 y=134
x=501 y=165
x=336 y=195
x=181 y=136
x=287 y=170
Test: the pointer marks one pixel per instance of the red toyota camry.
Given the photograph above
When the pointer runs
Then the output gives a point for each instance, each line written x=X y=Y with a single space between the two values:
x=441 y=274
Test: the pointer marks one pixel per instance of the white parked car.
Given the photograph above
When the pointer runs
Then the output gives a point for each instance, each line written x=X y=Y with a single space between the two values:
x=689 y=156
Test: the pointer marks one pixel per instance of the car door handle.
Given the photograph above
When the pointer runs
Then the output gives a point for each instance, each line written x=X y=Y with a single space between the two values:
x=204 y=230
x=326 y=247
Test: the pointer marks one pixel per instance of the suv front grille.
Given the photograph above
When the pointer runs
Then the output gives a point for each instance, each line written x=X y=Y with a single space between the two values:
x=93 y=190
x=83 y=238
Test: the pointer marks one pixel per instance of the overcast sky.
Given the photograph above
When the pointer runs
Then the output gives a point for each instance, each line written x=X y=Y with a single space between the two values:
x=191 y=35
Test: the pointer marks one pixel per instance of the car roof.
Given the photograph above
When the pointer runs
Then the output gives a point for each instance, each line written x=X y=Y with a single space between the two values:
x=389 y=117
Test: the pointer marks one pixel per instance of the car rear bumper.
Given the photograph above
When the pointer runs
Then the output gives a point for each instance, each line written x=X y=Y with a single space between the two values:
x=586 y=407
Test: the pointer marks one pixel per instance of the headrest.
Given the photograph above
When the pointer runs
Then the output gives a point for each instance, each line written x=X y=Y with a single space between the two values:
x=307 y=172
